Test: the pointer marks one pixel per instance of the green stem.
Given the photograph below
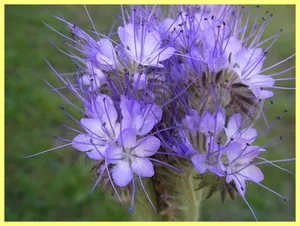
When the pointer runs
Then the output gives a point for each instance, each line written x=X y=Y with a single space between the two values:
x=143 y=210
x=173 y=195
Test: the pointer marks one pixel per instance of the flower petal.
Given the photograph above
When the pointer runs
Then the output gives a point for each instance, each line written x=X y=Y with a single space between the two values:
x=200 y=163
x=97 y=153
x=113 y=154
x=121 y=173
x=127 y=138
x=233 y=151
x=143 y=167
x=147 y=146
x=82 y=142
x=94 y=127
x=252 y=173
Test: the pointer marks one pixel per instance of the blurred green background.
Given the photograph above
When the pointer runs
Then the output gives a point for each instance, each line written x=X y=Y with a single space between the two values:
x=55 y=186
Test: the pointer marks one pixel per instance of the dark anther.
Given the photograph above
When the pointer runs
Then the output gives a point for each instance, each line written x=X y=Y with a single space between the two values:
x=212 y=17
x=231 y=139
x=278 y=118
x=281 y=138
x=224 y=23
x=62 y=108
x=281 y=30
x=247 y=144
x=205 y=18
x=134 y=10
x=257 y=6
x=285 y=110
x=266 y=52
x=271 y=102
x=219 y=26
x=259 y=100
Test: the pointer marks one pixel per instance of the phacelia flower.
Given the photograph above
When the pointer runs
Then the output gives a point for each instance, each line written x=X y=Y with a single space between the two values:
x=182 y=89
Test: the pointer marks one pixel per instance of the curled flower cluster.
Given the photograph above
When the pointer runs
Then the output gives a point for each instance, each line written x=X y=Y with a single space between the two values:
x=178 y=89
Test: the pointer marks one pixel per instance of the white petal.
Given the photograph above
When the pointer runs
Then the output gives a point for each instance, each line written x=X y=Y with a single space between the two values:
x=264 y=94
x=121 y=173
x=143 y=167
x=147 y=146
x=261 y=81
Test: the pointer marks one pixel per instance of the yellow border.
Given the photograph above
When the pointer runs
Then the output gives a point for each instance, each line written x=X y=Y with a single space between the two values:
x=261 y=2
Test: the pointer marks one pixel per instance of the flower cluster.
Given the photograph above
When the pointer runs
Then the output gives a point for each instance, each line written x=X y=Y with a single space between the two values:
x=187 y=84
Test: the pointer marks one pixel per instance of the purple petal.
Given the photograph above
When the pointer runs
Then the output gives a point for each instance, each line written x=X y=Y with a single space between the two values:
x=233 y=151
x=252 y=173
x=121 y=173
x=108 y=51
x=166 y=53
x=113 y=154
x=200 y=163
x=151 y=115
x=97 y=153
x=249 y=134
x=143 y=167
x=82 y=142
x=127 y=138
x=249 y=154
x=94 y=127
x=233 y=126
x=147 y=146
x=105 y=109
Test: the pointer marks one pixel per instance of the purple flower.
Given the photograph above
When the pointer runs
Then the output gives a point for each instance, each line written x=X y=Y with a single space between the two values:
x=240 y=166
x=142 y=117
x=143 y=45
x=129 y=156
x=102 y=129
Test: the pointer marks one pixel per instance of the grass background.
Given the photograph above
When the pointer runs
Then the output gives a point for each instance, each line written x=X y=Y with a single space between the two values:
x=55 y=186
